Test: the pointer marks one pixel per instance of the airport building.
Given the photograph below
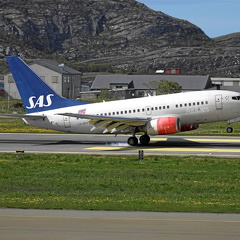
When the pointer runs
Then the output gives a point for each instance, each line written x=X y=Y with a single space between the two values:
x=131 y=86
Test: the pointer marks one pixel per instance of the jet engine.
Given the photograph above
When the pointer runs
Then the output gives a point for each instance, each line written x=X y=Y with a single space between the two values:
x=161 y=126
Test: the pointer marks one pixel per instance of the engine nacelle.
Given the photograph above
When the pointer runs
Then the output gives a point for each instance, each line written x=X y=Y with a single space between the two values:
x=189 y=127
x=161 y=126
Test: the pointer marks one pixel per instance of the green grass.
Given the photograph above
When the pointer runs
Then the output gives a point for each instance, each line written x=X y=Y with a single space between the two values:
x=179 y=184
x=16 y=125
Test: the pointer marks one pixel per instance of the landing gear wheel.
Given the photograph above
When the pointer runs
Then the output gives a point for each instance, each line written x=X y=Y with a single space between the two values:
x=144 y=139
x=132 y=141
x=229 y=129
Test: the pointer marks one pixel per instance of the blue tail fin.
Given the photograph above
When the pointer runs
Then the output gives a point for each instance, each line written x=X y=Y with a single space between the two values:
x=36 y=95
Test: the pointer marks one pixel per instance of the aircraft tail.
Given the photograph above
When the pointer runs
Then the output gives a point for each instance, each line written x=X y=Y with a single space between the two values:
x=36 y=95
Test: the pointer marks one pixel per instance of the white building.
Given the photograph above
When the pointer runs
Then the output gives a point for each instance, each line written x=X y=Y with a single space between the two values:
x=226 y=82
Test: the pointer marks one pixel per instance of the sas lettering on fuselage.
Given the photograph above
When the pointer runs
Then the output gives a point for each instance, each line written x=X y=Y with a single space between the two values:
x=197 y=110
x=40 y=101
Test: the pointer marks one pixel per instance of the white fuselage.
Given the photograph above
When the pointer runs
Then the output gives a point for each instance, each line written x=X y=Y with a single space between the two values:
x=191 y=108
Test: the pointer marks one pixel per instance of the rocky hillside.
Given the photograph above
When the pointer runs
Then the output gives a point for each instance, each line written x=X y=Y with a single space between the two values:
x=123 y=34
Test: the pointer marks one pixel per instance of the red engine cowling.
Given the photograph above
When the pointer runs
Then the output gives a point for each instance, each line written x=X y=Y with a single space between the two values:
x=189 y=127
x=161 y=126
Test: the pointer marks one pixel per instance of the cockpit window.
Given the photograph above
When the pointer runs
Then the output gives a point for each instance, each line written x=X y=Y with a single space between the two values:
x=236 y=98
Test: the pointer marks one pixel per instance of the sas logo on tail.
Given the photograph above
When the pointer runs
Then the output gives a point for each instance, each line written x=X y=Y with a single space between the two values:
x=42 y=101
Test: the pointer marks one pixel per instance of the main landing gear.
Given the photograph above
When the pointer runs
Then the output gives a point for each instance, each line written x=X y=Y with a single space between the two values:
x=144 y=140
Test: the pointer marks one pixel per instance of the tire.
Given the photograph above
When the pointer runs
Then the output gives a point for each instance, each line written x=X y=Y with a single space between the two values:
x=229 y=129
x=144 y=139
x=132 y=141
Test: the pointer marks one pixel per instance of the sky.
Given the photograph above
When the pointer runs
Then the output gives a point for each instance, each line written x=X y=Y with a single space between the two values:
x=214 y=17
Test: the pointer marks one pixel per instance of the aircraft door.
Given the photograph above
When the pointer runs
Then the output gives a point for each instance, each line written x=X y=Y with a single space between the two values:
x=148 y=110
x=66 y=121
x=218 y=101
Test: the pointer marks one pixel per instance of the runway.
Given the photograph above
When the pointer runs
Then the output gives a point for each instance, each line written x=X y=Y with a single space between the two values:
x=70 y=224
x=111 y=145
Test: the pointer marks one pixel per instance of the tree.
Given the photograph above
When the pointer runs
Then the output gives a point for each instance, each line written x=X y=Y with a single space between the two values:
x=107 y=95
x=167 y=87
x=152 y=86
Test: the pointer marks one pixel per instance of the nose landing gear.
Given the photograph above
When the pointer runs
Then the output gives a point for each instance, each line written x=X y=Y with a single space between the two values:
x=229 y=128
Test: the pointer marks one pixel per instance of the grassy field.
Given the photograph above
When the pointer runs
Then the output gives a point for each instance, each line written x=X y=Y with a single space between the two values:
x=179 y=184
x=16 y=125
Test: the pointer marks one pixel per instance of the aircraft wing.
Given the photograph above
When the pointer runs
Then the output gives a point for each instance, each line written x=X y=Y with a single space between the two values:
x=110 y=123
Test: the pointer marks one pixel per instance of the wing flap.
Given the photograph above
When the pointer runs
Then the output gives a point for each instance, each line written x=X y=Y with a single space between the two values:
x=95 y=119
x=110 y=123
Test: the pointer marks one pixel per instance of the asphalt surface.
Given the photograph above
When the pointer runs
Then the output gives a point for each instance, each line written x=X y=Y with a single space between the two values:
x=109 y=144
x=70 y=224
x=61 y=224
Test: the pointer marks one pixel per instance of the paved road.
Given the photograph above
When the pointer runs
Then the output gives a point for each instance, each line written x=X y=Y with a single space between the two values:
x=109 y=144
x=63 y=225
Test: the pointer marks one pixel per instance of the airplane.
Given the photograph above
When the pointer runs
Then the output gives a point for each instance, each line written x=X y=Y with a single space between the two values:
x=154 y=115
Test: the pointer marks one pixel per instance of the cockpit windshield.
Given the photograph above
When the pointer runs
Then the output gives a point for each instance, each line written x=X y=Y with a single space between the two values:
x=236 y=98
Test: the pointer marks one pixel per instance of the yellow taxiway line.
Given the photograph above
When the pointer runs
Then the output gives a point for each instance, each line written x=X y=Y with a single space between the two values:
x=172 y=149
x=201 y=139
x=108 y=148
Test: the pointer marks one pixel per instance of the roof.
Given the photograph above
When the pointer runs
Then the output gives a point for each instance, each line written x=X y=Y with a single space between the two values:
x=55 y=66
x=188 y=82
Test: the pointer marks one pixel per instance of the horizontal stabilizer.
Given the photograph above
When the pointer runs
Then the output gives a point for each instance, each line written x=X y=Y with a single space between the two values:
x=22 y=116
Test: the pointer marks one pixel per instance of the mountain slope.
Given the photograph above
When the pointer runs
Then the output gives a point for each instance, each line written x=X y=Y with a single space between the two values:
x=124 y=33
